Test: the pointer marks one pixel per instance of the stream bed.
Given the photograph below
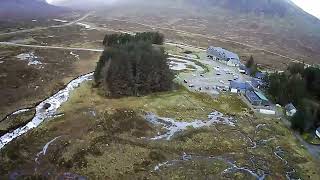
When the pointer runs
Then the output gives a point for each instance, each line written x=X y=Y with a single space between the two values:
x=46 y=109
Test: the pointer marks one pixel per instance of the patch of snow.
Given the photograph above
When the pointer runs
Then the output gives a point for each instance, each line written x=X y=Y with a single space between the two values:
x=181 y=64
x=20 y=111
x=60 y=20
x=75 y=55
x=173 y=126
x=34 y=20
x=157 y=167
x=1 y=62
x=43 y=114
x=30 y=58
x=279 y=153
x=87 y=26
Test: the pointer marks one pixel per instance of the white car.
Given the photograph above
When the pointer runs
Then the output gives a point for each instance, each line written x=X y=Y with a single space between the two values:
x=191 y=85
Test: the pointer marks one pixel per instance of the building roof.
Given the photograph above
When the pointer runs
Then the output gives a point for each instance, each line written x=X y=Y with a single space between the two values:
x=289 y=107
x=252 y=96
x=237 y=85
x=223 y=52
x=240 y=85
x=261 y=96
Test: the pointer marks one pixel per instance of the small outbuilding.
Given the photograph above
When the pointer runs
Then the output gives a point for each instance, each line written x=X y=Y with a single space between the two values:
x=290 y=110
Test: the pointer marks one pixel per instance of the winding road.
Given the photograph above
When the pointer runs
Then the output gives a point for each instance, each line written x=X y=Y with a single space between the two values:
x=54 y=26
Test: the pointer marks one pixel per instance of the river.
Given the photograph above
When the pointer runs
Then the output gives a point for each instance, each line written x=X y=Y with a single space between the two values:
x=46 y=109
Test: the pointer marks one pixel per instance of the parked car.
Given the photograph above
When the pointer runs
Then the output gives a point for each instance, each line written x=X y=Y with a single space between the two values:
x=191 y=85
x=185 y=81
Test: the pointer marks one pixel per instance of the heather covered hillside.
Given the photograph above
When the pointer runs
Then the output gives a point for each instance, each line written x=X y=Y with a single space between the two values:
x=24 y=9
x=266 y=28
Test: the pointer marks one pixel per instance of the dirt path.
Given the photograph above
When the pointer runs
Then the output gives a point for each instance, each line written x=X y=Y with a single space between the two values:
x=314 y=150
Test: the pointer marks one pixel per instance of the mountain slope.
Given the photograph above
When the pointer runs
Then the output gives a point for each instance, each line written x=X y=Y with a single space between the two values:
x=277 y=26
x=25 y=9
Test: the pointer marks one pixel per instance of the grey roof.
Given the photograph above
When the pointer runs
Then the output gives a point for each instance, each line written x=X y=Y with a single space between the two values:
x=240 y=85
x=222 y=52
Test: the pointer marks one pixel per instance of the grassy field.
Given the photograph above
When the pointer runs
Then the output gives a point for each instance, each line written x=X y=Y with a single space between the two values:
x=105 y=138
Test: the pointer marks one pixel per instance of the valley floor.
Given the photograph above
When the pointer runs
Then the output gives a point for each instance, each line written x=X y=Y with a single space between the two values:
x=181 y=134
x=176 y=134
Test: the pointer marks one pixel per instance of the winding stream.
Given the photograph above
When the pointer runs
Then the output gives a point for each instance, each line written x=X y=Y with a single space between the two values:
x=46 y=109
x=44 y=149
x=232 y=166
x=172 y=126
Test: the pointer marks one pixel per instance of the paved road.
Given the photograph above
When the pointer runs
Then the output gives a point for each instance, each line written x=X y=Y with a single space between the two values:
x=49 y=47
x=54 y=26
x=314 y=150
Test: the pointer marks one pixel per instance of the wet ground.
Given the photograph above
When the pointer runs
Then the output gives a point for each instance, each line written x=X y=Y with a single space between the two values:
x=79 y=133
x=95 y=137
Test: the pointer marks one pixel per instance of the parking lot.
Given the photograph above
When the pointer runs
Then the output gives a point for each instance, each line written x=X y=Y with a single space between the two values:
x=217 y=79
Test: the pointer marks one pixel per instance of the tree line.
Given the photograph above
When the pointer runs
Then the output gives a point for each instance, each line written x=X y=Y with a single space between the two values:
x=124 y=38
x=131 y=66
x=300 y=86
